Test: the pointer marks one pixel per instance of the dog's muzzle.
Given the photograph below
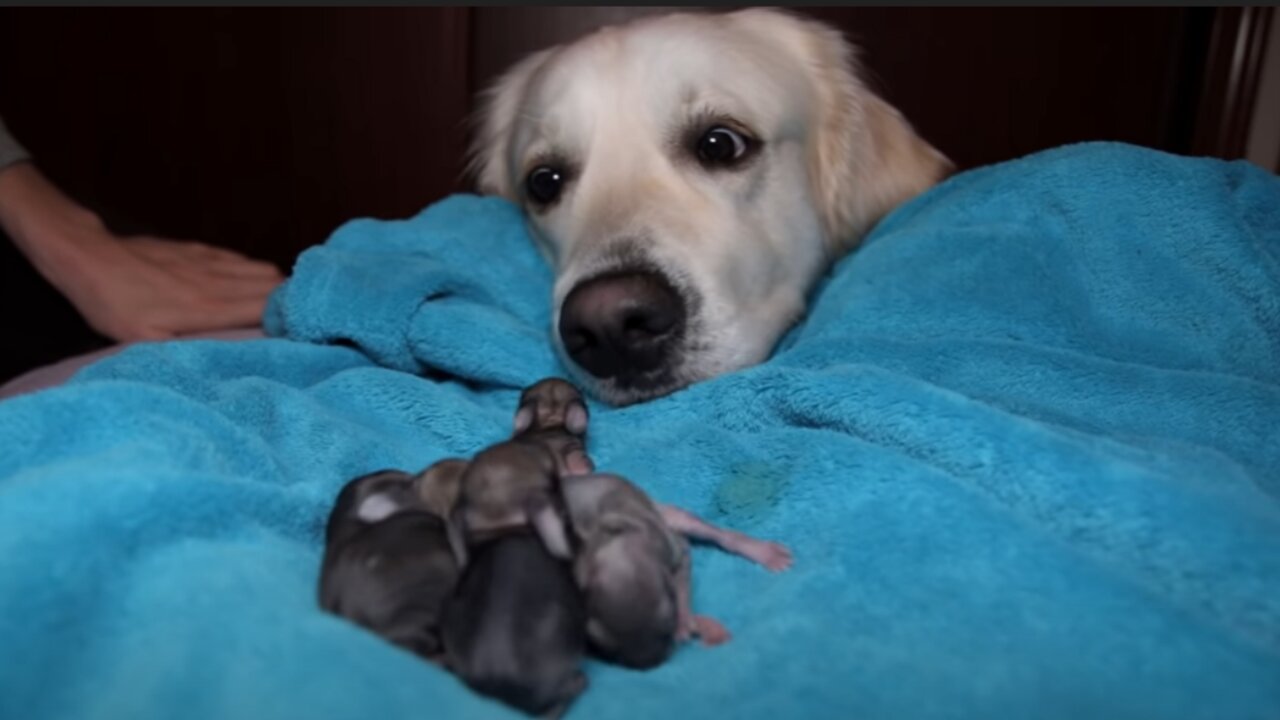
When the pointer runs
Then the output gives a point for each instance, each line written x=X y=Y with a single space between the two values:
x=624 y=326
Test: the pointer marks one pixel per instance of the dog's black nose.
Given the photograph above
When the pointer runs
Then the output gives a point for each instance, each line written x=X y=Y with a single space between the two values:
x=621 y=325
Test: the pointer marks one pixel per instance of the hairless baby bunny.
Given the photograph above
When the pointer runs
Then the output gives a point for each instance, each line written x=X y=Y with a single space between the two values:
x=553 y=414
x=515 y=629
x=515 y=483
x=387 y=564
x=632 y=559
x=635 y=569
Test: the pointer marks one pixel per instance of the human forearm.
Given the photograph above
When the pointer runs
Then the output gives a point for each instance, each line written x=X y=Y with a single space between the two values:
x=58 y=235
x=133 y=288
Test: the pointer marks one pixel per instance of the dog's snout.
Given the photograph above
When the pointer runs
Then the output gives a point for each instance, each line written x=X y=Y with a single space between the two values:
x=621 y=325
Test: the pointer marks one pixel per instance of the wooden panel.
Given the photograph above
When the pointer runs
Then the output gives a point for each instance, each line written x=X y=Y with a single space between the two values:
x=257 y=129
x=988 y=84
x=1234 y=56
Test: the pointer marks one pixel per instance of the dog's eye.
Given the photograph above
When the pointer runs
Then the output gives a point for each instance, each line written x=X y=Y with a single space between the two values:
x=544 y=184
x=721 y=147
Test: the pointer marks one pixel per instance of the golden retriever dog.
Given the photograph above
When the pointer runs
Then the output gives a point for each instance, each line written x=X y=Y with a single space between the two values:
x=690 y=177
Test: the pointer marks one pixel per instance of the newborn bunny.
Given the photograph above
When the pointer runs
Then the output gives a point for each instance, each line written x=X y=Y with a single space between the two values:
x=387 y=563
x=553 y=413
x=515 y=628
x=440 y=484
x=515 y=483
x=634 y=568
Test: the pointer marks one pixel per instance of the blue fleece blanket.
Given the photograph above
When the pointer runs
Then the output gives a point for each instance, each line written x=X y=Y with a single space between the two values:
x=1026 y=448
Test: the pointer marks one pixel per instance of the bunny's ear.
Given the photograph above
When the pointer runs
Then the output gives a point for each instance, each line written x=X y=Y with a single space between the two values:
x=575 y=420
x=456 y=535
x=549 y=526
x=524 y=419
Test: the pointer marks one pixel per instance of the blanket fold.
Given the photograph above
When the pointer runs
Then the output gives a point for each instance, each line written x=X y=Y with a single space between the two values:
x=1025 y=447
x=457 y=289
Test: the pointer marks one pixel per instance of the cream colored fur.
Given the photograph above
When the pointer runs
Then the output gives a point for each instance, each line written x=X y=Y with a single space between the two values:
x=745 y=246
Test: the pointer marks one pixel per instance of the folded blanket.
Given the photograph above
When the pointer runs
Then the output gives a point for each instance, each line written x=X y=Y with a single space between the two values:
x=1026 y=448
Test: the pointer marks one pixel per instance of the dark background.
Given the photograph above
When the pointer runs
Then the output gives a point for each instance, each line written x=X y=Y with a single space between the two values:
x=263 y=129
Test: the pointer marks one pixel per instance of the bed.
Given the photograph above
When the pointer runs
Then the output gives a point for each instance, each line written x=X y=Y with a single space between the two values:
x=1025 y=447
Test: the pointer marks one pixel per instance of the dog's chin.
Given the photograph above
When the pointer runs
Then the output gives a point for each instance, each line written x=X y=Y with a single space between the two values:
x=631 y=389
x=691 y=362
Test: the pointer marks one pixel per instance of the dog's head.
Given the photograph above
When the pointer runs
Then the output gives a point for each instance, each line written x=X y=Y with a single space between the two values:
x=691 y=176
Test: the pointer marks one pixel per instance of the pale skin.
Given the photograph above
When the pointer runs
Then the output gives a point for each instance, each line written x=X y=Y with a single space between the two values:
x=129 y=288
x=553 y=405
x=771 y=555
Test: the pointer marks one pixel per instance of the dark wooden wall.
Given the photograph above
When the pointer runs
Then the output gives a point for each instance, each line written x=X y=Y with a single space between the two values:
x=263 y=129
x=257 y=129
x=994 y=83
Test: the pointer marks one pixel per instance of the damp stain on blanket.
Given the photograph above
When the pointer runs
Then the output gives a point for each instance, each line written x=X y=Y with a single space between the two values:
x=750 y=490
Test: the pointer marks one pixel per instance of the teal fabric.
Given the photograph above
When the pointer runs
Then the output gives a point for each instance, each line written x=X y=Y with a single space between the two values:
x=1026 y=448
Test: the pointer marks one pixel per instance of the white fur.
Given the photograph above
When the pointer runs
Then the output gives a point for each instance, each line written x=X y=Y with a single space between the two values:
x=376 y=508
x=748 y=244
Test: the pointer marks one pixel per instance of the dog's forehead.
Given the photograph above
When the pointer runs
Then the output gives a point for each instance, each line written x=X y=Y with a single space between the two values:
x=651 y=71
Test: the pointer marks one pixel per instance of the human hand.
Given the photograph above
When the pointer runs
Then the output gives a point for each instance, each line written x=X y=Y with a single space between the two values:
x=148 y=288
x=141 y=288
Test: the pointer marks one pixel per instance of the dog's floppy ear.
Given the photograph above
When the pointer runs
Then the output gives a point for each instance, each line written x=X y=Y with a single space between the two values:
x=489 y=160
x=864 y=171
x=864 y=157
